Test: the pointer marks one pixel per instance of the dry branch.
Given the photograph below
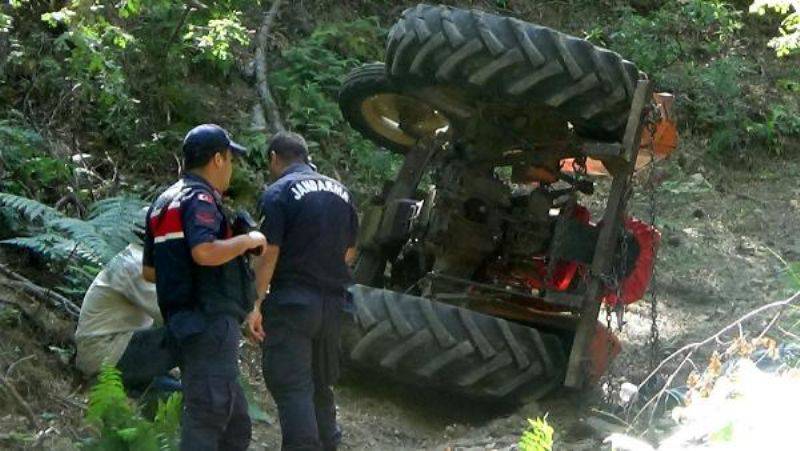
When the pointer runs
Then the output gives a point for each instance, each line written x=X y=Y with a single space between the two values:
x=20 y=402
x=43 y=294
x=268 y=105
x=692 y=347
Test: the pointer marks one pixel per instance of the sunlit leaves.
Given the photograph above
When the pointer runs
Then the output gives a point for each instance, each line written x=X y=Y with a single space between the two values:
x=214 y=39
x=788 y=42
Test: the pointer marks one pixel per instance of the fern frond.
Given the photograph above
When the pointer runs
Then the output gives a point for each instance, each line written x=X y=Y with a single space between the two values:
x=118 y=219
x=92 y=244
x=51 y=246
x=31 y=209
x=167 y=422
x=107 y=399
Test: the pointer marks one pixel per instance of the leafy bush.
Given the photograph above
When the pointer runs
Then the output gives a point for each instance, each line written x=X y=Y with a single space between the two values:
x=676 y=32
x=25 y=167
x=307 y=87
x=537 y=437
x=692 y=48
x=121 y=427
x=788 y=43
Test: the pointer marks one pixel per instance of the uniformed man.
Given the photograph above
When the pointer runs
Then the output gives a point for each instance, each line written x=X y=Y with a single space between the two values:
x=310 y=224
x=204 y=288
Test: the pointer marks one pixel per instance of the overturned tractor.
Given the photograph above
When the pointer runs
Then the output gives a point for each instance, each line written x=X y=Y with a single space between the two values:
x=488 y=280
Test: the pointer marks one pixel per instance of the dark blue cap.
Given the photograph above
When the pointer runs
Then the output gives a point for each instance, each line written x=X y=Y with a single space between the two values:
x=205 y=140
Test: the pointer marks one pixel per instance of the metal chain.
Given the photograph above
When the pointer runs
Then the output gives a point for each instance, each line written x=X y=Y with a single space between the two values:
x=654 y=340
x=614 y=280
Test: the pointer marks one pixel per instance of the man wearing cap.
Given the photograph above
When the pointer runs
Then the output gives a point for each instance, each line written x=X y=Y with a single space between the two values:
x=310 y=224
x=205 y=289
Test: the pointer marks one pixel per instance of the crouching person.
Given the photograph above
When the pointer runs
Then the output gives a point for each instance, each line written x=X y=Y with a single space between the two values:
x=120 y=324
x=205 y=289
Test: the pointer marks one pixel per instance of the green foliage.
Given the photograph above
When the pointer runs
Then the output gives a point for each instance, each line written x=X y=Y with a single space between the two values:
x=120 y=427
x=537 y=437
x=74 y=247
x=215 y=39
x=723 y=435
x=307 y=88
x=792 y=275
x=779 y=124
x=678 y=31
x=126 y=73
x=25 y=166
x=692 y=48
x=788 y=42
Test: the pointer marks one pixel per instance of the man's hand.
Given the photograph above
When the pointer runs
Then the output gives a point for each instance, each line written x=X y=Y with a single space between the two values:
x=258 y=242
x=254 y=327
x=149 y=273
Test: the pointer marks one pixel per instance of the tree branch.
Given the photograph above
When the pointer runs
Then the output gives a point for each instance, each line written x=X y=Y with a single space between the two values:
x=20 y=402
x=49 y=296
x=692 y=347
x=268 y=105
x=187 y=9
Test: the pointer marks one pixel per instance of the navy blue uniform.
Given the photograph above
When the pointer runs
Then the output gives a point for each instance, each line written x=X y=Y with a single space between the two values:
x=202 y=309
x=313 y=220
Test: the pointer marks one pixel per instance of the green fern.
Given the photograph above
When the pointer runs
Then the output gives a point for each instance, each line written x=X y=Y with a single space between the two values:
x=107 y=399
x=31 y=209
x=121 y=427
x=167 y=422
x=538 y=436
x=73 y=242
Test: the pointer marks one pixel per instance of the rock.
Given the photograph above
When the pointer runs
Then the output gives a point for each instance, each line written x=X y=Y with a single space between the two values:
x=745 y=248
x=674 y=240
x=697 y=179
x=627 y=392
x=603 y=428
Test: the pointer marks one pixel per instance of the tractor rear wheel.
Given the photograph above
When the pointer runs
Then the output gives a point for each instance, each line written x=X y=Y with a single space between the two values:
x=499 y=59
x=374 y=107
x=427 y=343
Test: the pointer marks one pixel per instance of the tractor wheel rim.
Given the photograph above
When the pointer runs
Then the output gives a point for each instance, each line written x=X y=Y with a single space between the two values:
x=402 y=119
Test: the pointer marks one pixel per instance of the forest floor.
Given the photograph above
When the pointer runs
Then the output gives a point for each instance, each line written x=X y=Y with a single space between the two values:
x=720 y=228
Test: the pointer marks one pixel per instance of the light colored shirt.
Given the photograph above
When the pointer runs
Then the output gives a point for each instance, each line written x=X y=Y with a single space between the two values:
x=118 y=302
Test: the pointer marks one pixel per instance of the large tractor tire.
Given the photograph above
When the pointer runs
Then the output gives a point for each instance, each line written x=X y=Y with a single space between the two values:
x=417 y=341
x=374 y=107
x=505 y=60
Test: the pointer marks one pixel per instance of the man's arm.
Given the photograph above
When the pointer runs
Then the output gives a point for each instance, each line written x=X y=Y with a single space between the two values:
x=202 y=221
x=264 y=268
x=219 y=252
x=148 y=263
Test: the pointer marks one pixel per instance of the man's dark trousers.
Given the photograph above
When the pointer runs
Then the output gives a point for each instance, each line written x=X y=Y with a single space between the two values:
x=214 y=407
x=301 y=362
x=146 y=357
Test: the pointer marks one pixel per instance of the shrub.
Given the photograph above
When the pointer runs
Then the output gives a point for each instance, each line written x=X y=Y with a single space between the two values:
x=307 y=87
x=25 y=166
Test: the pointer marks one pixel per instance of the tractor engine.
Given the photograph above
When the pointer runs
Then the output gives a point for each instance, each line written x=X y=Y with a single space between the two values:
x=528 y=238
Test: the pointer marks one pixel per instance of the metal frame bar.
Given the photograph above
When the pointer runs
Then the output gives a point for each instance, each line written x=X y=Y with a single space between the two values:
x=609 y=235
x=372 y=260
